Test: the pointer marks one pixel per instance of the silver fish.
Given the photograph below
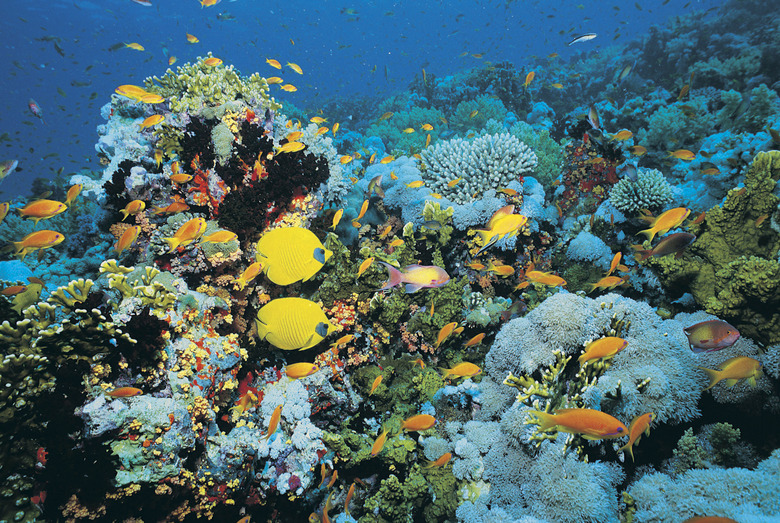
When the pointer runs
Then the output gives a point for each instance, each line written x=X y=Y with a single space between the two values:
x=583 y=38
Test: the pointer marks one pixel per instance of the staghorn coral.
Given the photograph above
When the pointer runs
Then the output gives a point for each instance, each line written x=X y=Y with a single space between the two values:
x=487 y=162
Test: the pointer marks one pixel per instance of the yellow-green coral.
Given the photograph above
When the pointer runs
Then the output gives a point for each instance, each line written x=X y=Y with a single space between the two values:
x=195 y=85
x=731 y=268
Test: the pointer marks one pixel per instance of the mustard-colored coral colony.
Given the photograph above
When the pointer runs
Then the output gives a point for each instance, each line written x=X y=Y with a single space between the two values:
x=547 y=293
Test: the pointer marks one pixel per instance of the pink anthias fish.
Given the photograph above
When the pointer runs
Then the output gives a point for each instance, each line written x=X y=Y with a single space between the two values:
x=416 y=277
x=711 y=335
x=35 y=109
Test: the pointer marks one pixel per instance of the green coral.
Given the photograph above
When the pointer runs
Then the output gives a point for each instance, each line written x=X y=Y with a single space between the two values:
x=487 y=107
x=678 y=125
x=689 y=453
x=195 y=85
x=731 y=269
x=748 y=113
x=222 y=138
x=432 y=212
x=650 y=191
x=723 y=438
x=398 y=142
x=398 y=500
x=729 y=72
x=548 y=151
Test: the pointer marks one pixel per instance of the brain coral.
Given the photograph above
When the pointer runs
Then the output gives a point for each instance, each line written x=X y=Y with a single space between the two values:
x=649 y=191
x=487 y=162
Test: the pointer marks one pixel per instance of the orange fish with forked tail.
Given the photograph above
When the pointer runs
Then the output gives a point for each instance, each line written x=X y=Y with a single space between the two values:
x=589 y=423
x=639 y=425
x=666 y=221
x=37 y=240
x=42 y=210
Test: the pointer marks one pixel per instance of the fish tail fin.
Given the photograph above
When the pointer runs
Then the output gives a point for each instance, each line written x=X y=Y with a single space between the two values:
x=714 y=375
x=545 y=419
x=650 y=233
x=641 y=253
x=628 y=448
x=172 y=243
x=394 y=277
x=486 y=240
x=445 y=373
x=125 y=214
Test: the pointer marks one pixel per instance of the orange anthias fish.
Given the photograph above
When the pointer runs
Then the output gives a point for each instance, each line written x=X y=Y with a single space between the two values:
x=212 y=61
x=152 y=121
x=503 y=224
x=187 y=233
x=274 y=423
x=124 y=392
x=734 y=370
x=363 y=210
x=375 y=384
x=528 y=79
x=295 y=67
x=666 y=221
x=501 y=270
x=615 y=263
x=441 y=461
x=273 y=63
x=416 y=277
x=683 y=154
x=249 y=274
x=192 y=39
x=418 y=422
x=127 y=239
x=639 y=425
x=444 y=332
x=711 y=335
x=37 y=240
x=73 y=193
x=590 y=424
x=608 y=282
x=300 y=370
x=343 y=340
x=379 y=443
x=602 y=348
x=461 y=370
x=545 y=278
x=219 y=237
x=364 y=266
x=475 y=340
x=42 y=210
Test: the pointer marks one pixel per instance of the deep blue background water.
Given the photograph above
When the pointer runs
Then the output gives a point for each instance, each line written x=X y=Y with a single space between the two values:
x=341 y=53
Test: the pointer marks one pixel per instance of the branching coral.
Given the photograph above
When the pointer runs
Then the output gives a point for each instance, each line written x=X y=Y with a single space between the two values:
x=650 y=191
x=487 y=162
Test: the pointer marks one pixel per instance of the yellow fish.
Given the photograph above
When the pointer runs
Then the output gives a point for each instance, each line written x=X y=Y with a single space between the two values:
x=387 y=159
x=343 y=340
x=453 y=183
x=602 y=348
x=615 y=262
x=127 y=239
x=187 y=233
x=415 y=184
x=293 y=323
x=42 y=210
x=274 y=80
x=376 y=383
x=249 y=274
x=289 y=88
x=475 y=340
x=501 y=225
x=364 y=266
x=192 y=39
x=637 y=426
x=379 y=444
x=152 y=99
x=427 y=140
x=291 y=254
x=335 y=128
x=385 y=116
x=734 y=370
x=473 y=113
x=273 y=63
x=461 y=370
x=666 y=221
x=317 y=119
x=408 y=130
x=591 y=424
x=345 y=159
x=397 y=242
x=171 y=60
x=683 y=154
x=363 y=210
x=136 y=46
x=152 y=121
x=273 y=424
x=219 y=237
x=37 y=240
x=321 y=131
x=623 y=135
x=427 y=127
x=291 y=147
x=444 y=332
x=295 y=67
x=212 y=61
x=300 y=370
x=557 y=86
x=73 y=193
x=337 y=218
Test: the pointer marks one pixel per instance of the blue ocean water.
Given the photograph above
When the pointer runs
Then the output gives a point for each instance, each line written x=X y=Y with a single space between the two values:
x=58 y=53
